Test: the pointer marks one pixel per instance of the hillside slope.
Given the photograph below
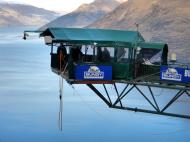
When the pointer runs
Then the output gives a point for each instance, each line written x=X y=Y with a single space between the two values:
x=85 y=14
x=24 y=15
x=159 y=20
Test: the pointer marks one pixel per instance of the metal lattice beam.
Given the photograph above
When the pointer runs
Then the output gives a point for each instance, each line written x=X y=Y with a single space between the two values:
x=154 y=104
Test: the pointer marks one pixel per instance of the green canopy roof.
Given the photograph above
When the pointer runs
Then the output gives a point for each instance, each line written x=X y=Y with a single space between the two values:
x=152 y=45
x=100 y=36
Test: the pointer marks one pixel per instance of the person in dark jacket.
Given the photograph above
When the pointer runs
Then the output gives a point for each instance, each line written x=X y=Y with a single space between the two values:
x=76 y=53
x=62 y=56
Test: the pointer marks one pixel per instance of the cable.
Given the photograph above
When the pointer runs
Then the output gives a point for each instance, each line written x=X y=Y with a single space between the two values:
x=87 y=104
x=60 y=119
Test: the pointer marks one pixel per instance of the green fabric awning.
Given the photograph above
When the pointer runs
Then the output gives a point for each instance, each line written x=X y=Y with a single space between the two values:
x=100 y=36
x=152 y=45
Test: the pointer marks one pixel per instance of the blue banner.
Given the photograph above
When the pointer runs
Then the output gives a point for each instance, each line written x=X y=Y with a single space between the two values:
x=175 y=74
x=86 y=72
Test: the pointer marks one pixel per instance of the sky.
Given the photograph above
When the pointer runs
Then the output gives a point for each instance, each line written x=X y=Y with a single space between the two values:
x=63 y=6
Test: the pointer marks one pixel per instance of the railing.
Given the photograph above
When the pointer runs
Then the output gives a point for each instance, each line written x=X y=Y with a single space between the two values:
x=144 y=70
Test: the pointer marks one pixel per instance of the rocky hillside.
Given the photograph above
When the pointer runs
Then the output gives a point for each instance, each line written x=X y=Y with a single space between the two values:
x=85 y=14
x=159 y=20
x=24 y=15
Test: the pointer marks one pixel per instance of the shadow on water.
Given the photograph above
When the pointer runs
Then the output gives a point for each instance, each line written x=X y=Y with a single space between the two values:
x=29 y=104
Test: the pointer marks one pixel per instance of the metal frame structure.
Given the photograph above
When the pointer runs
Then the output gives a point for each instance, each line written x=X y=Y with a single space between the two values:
x=156 y=109
x=131 y=72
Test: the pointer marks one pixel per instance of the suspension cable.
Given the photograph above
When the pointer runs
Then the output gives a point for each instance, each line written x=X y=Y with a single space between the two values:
x=60 y=120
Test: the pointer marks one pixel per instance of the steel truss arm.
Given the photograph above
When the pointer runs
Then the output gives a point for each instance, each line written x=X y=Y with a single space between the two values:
x=128 y=88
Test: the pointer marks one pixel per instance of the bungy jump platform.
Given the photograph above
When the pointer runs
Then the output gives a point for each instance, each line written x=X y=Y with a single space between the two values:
x=103 y=56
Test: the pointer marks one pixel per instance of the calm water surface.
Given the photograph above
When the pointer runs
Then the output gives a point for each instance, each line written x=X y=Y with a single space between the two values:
x=29 y=104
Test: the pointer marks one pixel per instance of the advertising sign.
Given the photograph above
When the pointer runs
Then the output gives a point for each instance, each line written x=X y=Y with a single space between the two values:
x=86 y=72
x=175 y=74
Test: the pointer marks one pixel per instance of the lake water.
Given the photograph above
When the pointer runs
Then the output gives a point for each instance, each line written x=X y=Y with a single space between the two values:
x=29 y=103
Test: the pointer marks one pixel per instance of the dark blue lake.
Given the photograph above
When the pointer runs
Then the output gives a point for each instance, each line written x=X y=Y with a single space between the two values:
x=29 y=103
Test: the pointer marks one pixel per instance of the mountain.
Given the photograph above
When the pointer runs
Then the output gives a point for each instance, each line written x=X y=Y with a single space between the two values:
x=122 y=1
x=24 y=15
x=85 y=14
x=159 y=20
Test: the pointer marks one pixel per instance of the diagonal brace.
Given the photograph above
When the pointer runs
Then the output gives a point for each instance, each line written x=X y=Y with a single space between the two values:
x=99 y=94
x=179 y=94
x=188 y=94
x=107 y=93
x=118 y=94
x=146 y=98
x=154 y=99
x=121 y=97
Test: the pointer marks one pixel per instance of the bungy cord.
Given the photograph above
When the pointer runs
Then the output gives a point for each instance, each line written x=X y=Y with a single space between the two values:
x=60 y=119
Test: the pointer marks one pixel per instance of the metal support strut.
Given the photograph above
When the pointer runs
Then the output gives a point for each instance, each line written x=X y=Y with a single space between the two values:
x=156 y=109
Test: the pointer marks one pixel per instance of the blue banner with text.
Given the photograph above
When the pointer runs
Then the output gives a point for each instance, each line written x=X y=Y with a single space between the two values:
x=87 y=72
x=175 y=74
